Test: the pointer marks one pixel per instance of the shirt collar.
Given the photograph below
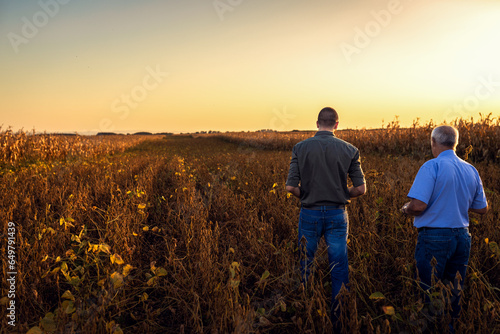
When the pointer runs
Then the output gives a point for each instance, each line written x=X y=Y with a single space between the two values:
x=447 y=153
x=324 y=133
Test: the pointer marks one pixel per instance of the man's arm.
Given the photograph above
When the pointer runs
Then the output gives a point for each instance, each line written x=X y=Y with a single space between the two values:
x=414 y=207
x=357 y=177
x=479 y=199
x=357 y=191
x=480 y=211
x=293 y=180
x=294 y=190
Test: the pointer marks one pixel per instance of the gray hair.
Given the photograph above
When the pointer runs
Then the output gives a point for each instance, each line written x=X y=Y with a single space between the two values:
x=445 y=135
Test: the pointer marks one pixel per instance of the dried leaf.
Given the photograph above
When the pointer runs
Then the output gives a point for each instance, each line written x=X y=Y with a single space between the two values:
x=115 y=258
x=117 y=280
x=127 y=269
x=389 y=310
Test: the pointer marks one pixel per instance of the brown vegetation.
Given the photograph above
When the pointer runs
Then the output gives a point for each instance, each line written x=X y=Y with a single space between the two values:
x=18 y=147
x=480 y=139
x=198 y=235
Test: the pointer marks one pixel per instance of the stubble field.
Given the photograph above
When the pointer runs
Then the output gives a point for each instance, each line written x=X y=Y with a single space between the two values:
x=196 y=234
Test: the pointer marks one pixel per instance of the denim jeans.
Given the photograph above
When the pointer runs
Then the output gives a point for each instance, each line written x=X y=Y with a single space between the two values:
x=451 y=248
x=333 y=225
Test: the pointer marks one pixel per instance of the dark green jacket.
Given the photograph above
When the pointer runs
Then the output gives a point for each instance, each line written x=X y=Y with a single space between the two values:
x=320 y=165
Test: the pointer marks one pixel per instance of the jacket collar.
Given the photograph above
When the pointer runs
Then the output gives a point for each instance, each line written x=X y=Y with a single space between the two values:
x=324 y=133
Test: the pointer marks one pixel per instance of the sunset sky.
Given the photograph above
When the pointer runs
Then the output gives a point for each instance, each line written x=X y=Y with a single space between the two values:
x=230 y=65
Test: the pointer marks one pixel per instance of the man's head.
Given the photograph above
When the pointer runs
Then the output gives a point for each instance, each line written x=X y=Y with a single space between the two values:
x=328 y=119
x=443 y=138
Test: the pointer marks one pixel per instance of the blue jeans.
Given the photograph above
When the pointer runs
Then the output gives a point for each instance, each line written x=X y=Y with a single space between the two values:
x=451 y=248
x=334 y=225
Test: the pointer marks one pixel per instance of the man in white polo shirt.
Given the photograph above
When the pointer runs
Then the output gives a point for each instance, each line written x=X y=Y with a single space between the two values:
x=444 y=191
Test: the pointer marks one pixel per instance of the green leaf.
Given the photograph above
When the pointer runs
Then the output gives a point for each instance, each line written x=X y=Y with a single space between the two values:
x=235 y=283
x=34 y=330
x=161 y=272
x=74 y=280
x=48 y=323
x=68 y=306
x=377 y=295
x=68 y=295
x=151 y=281
x=265 y=275
x=118 y=330
x=494 y=248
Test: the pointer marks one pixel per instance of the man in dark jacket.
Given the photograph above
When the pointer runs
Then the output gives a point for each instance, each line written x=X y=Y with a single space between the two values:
x=318 y=175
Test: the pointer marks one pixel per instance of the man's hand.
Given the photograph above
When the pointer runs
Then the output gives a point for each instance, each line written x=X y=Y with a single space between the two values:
x=357 y=191
x=294 y=190
x=413 y=207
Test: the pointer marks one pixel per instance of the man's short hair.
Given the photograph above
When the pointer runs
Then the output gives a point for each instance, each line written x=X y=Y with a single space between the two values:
x=445 y=135
x=328 y=117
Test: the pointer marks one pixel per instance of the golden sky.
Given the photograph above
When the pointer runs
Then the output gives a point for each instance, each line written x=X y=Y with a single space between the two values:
x=193 y=65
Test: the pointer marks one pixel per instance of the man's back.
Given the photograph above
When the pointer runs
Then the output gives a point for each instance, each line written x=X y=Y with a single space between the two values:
x=323 y=163
x=450 y=187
